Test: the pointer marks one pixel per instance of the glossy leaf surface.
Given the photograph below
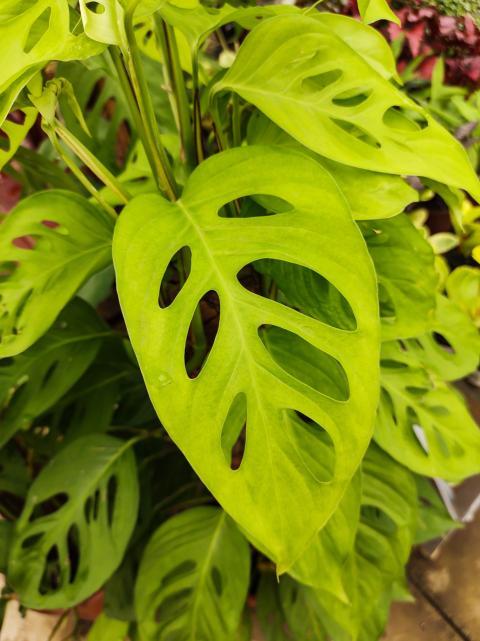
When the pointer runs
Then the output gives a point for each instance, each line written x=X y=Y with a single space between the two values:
x=76 y=523
x=49 y=245
x=274 y=495
x=193 y=578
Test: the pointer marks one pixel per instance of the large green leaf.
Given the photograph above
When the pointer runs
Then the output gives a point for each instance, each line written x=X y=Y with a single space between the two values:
x=370 y=194
x=34 y=381
x=32 y=33
x=422 y=422
x=49 y=245
x=323 y=93
x=76 y=523
x=407 y=280
x=274 y=495
x=452 y=349
x=193 y=579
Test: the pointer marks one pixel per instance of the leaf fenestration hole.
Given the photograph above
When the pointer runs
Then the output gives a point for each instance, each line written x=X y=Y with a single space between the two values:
x=49 y=506
x=352 y=97
x=234 y=432
x=30 y=541
x=37 y=30
x=255 y=206
x=175 y=277
x=217 y=580
x=73 y=547
x=356 y=132
x=308 y=364
x=49 y=373
x=403 y=119
x=180 y=571
x=320 y=81
x=172 y=607
x=314 y=445
x=96 y=7
x=443 y=342
x=112 y=487
x=198 y=348
x=302 y=289
x=51 y=579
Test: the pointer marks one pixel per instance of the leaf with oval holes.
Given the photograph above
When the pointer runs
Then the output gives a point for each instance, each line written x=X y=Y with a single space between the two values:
x=452 y=349
x=422 y=422
x=320 y=90
x=13 y=132
x=274 y=495
x=193 y=578
x=49 y=245
x=76 y=523
x=383 y=537
x=407 y=279
x=371 y=195
x=31 y=36
x=34 y=381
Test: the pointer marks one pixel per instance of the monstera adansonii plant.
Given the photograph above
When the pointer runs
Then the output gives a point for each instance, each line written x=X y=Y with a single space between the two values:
x=226 y=358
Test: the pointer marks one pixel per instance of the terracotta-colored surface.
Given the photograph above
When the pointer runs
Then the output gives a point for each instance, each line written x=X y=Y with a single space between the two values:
x=418 y=621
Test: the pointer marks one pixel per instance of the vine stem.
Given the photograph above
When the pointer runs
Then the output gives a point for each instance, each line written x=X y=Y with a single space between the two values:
x=80 y=176
x=168 y=44
x=153 y=145
x=95 y=166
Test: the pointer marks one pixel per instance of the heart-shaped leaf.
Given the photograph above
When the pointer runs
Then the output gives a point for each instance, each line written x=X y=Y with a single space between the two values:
x=49 y=245
x=373 y=10
x=31 y=35
x=34 y=381
x=274 y=495
x=193 y=578
x=424 y=423
x=76 y=523
x=320 y=90
x=407 y=280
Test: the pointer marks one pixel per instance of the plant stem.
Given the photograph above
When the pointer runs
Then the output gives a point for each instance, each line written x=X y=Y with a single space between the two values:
x=168 y=43
x=95 y=166
x=197 y=113
x=80 y=176
x=236 y=131
x=153 y=145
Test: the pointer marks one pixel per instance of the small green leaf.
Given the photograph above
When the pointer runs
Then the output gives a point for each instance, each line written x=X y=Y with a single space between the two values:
x=424 y=423
x=49 y=245
x=320 y=90
x=193 y=578
x=34 y=381
x=451 y=350
x=274 y=495
x=463 y=287
x=104 y=21
x=76 y=523
x=404 y=263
